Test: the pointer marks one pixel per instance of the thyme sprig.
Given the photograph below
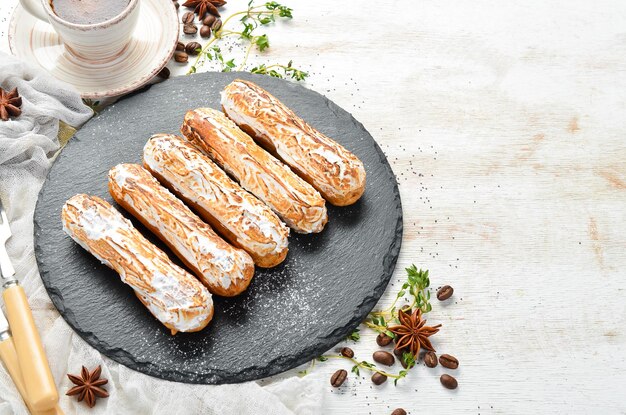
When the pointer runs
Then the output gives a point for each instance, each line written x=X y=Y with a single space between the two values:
x=254 y=17
x=416 y=286
x=288 y=71
x=354 y=336
x=358 y=365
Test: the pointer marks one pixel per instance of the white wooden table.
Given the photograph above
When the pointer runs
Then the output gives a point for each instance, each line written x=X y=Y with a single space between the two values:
x=505 y=124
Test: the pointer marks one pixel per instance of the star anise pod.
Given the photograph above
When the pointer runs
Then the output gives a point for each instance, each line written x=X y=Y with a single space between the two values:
x=201 y=7
x=88 y=386
x=412 y=334
x=10 y=103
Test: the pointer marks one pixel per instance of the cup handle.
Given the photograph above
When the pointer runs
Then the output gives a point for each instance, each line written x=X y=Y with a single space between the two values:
x=36 y=8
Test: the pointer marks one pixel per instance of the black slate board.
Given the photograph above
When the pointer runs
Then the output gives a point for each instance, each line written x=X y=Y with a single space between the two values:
x=289 y=315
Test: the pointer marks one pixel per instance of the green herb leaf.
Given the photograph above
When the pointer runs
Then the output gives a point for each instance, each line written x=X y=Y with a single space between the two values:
x=262 y=42
x=402 y=374
x=367 y=364
x=354 y=336
x=408 y=359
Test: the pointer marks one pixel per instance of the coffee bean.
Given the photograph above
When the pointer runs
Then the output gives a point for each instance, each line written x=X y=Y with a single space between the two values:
x=444 y=293
x=383 y=340
x=448 y=361
x=164 y=73
x=347 y=352
x=181 y=57
x=188 y=17
x=337 y=379
x=208 y=20
x=398 y=352
x=398 y=411
x=193 y=48
x=384 y=358
x=379 y=378
x=216 y=25
x=448 y=381
x=205 y=31
x=190 y=29
x=430 y=358
x=180 y=46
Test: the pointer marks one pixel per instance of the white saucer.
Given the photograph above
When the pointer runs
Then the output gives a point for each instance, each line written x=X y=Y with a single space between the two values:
x=149 y=50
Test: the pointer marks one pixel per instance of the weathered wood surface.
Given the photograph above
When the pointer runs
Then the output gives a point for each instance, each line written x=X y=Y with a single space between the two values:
x=504 y=122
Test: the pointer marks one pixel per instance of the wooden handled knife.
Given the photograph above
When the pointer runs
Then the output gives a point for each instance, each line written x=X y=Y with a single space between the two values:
x=9 y=358
x=38 y=382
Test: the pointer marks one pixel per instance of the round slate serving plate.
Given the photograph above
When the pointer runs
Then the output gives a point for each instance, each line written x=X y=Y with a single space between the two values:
x=289 y=315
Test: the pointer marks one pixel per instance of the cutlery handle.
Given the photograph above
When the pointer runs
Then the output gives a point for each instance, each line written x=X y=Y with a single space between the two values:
x=39 y=384
x=9 y=357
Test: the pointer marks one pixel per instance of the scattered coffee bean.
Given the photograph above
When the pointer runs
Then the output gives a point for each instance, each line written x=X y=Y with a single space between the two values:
x=188 y=17
x=403 y=362
x=384 y=358
x=181 y=57
x=398 y=352
x=448 y=381
x=383 y=340
x=164 y=73
x=193 y=48
x=398 y=411
x=448 y=361
x=444 y=293
x=216 y=25
x=347 y=352
x=205 y=31
x=337 y=379
x=190 y=29
x=180 y=46
x=208 y=20
x=430 y=359
x=379 y=378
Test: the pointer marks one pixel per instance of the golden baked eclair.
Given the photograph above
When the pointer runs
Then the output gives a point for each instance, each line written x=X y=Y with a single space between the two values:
x=295 y=201
x=175 y=297
x=237 y=215
x=331 y=169
x=224 y=269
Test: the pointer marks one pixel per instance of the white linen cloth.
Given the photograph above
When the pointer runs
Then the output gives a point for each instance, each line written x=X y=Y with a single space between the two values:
x=27 y=146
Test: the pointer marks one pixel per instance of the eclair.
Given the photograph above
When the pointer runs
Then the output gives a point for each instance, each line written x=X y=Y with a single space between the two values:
x=295 y=201
x=238 y=216
x=326 y=165
x=224 y=269
x=175 y=297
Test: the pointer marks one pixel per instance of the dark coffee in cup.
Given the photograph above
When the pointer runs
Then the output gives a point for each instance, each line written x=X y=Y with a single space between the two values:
x=88 y=11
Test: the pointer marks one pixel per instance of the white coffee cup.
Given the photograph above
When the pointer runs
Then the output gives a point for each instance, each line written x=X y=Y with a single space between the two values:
x=92 y=42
